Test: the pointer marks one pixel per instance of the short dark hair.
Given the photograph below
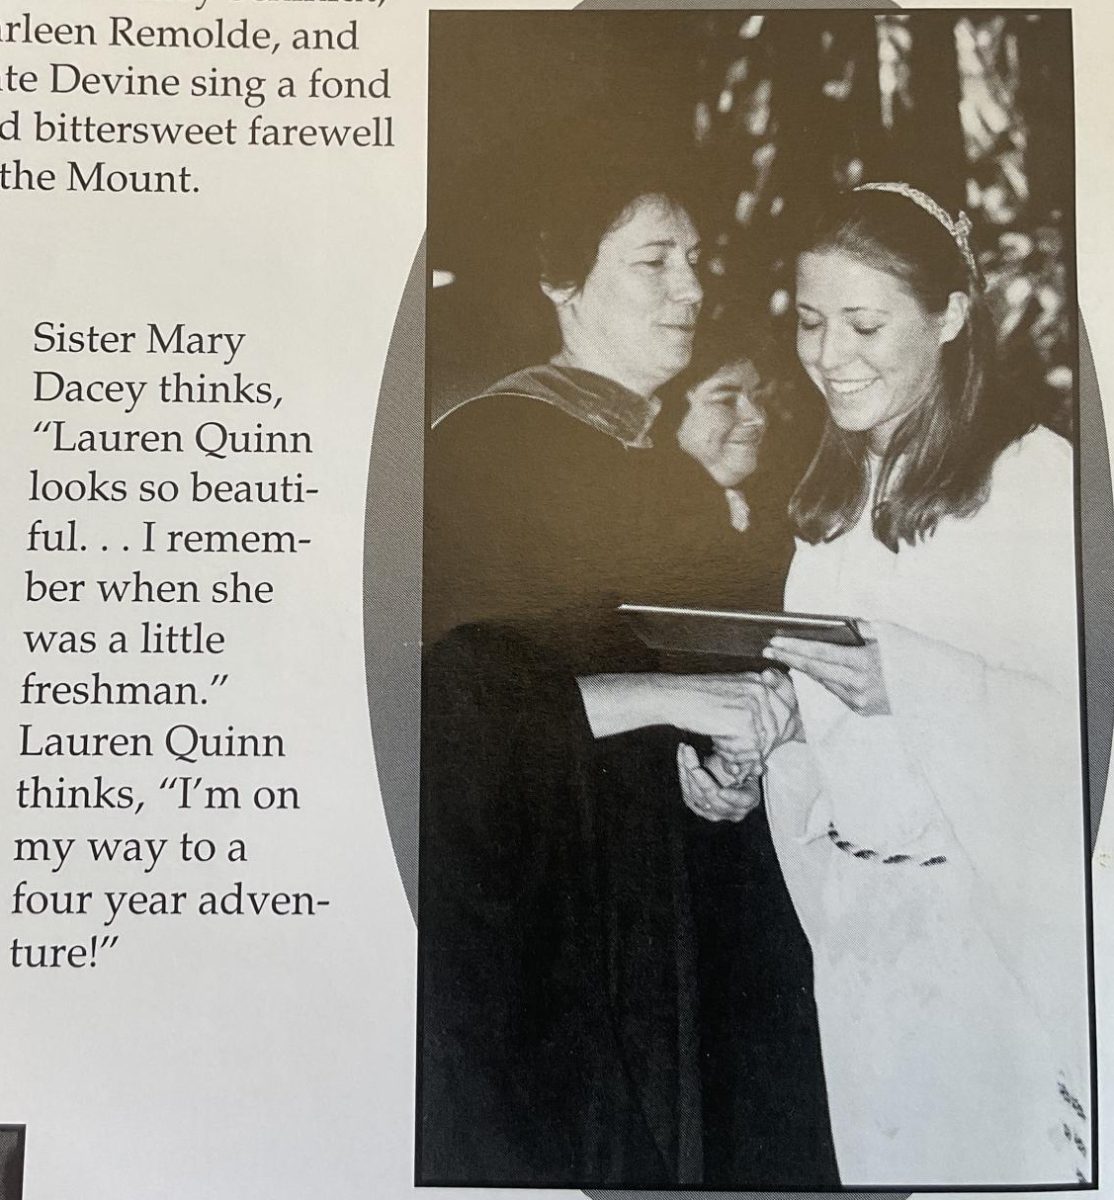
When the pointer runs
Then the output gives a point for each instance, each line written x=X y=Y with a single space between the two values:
x=939 y=460
x=612 y=168
x=730 y=338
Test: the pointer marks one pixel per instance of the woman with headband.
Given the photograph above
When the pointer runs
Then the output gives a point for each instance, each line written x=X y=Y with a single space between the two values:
x=930 y=823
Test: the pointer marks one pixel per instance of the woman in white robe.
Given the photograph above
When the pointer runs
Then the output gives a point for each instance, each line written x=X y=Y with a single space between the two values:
x=930 y=824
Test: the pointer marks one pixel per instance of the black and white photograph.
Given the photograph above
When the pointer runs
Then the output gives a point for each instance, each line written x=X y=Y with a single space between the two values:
x=753 y=834
x=11 y=1162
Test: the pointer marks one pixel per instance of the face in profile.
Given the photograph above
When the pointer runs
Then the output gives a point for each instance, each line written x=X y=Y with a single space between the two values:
x=724 y=426
x=634 y=317
x=866 y=342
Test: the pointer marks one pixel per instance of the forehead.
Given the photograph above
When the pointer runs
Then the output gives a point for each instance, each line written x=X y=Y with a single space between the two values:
x=648 y=220
x=830 y=281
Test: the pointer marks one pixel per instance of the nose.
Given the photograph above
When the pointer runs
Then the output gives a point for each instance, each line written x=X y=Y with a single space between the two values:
x=834 y=350
x=685 y=286
x=748 y=412
x=750 y=419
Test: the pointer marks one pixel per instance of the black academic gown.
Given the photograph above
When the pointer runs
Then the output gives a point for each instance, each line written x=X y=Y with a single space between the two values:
x=592 y=958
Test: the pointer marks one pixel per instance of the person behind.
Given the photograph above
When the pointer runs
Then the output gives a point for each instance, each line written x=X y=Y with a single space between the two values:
x=725 y=421
x=930 y=826
x=723 y=430
x=729 y=397
x=560 y=1032
x=745 y=429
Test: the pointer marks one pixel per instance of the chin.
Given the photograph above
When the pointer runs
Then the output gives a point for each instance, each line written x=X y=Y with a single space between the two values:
x=672 y=362
x=851 y=423
x=742 y=460
x=732 y=472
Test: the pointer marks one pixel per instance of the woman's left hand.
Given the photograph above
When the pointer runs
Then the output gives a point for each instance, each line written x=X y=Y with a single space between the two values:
x=717 y=790
x=851 y=673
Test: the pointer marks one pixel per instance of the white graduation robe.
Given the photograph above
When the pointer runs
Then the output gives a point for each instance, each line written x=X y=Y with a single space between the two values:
x=952 y=994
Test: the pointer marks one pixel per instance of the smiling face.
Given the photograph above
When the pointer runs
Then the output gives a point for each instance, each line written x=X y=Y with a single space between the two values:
x=634 y=317
x=724 y=426
x=866 y=342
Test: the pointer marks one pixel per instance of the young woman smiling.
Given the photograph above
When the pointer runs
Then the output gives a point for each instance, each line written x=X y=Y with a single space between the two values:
x=930 y=824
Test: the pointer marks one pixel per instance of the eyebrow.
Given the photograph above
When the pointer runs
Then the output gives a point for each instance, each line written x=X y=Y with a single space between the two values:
x=851 y=308
x=665 y=242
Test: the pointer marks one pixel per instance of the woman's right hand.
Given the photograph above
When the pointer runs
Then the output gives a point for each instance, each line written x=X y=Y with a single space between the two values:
x=747 y=715
x=739 y=712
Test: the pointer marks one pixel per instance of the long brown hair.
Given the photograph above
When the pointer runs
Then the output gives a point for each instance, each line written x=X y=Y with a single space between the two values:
x=939 y=459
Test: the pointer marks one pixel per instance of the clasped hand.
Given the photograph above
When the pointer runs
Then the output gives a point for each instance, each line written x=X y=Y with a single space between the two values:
x=748 y=716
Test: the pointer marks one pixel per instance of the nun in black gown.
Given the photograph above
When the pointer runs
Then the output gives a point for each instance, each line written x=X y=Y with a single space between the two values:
x=612 y=992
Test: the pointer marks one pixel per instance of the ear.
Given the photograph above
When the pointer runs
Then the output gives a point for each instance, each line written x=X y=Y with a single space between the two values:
x=559 y=296
x=955 y=317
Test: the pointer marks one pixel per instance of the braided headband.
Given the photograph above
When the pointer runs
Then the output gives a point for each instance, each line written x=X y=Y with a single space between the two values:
x=959 y=229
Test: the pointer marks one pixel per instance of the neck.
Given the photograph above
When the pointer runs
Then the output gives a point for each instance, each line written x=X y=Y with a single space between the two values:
x=588 y=356
x=879 y=438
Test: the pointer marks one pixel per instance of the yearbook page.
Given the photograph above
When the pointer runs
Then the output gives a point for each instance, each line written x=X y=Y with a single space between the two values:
x=361 y=358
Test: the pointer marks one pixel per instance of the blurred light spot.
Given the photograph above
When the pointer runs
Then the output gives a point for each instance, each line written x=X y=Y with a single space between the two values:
x=777 y=206
x=744 y=207
x=1049 y=298
x=779 y=303
x=738 y=72
x=996 y=204
x=702 y=121
x=837 y=89
x=855 y=170
x=827 y=40
x=1018 y=292
x=716 y=266
x=764 y=155
x=1061 y=378
x=1015 y=247
x=758 y=110
x=443 y=278
x=751 y=27
x=1050 y=242
x=722 y=239
x=726 y=99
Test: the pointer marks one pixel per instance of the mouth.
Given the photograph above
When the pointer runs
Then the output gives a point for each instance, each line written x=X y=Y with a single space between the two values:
x=848 y=387
x=685 y=330
x=748 y=435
